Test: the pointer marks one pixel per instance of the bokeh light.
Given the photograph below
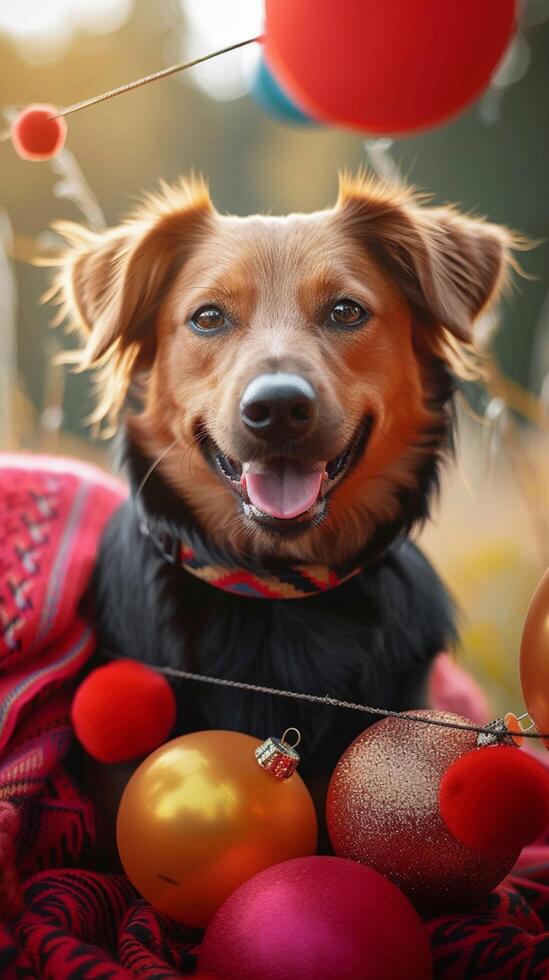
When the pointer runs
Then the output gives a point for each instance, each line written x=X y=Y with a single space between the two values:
x=216 y=24
x=43 y=29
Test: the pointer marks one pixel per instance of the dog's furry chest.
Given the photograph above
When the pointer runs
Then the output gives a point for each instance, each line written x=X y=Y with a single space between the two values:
x=370 y=640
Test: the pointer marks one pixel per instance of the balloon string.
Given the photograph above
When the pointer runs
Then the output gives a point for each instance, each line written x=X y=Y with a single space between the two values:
x=163 y=73
x=138 y=82
x=326 y=700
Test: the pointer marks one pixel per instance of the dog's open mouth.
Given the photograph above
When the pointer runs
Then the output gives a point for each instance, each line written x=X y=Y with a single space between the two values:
x=284 y=493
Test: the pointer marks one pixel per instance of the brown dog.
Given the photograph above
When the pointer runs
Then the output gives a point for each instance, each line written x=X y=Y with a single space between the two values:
x=298 y=379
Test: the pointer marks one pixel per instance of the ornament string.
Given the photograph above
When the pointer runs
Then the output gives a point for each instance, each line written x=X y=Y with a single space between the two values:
x=330 y=702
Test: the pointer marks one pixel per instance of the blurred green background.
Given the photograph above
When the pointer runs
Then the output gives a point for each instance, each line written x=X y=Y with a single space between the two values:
x=491 y=536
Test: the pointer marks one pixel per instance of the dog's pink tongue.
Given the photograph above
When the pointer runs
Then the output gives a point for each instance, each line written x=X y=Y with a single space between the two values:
x=284 y=492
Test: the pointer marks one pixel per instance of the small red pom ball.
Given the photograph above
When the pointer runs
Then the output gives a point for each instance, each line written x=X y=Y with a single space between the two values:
x=316 y=918
x=122 y=711
x=495 y=800
x=37 y=135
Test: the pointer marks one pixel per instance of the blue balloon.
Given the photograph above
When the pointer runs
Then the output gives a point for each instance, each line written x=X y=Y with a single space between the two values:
x=273 y=100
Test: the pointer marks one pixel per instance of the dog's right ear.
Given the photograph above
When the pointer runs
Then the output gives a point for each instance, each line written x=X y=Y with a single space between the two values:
x=110 y=284
x=450 y=266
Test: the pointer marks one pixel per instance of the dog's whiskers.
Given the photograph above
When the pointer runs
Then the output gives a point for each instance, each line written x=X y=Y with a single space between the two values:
x=154 y=465
x=233 y=522
x=246 y=530
x=188 y=453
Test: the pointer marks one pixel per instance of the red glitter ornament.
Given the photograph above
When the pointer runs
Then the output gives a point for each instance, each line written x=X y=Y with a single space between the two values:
x=383 y=810
x=37 y=133
x=122 y=711
x=495 y=800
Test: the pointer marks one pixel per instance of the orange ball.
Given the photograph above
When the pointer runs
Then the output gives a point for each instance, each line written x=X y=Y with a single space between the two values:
x=534 y=657
x=200 y=816
x=37 y=135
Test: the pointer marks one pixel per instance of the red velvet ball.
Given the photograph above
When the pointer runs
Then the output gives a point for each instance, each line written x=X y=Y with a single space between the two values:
x=386 y=66
x=122 y=711
x=495 y=799
x=316 y=918
x=36 y=135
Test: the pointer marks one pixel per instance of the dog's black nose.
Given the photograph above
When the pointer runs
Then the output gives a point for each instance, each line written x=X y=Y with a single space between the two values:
x=278 y=406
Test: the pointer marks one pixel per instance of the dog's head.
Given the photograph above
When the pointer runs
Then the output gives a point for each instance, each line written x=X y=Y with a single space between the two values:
x=298 y=367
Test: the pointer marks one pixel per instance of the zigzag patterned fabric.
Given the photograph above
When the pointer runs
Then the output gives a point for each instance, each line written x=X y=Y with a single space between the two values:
x=297 y=581
x=60 y=918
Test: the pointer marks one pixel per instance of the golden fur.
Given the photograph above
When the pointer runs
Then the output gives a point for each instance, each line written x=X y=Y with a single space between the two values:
x=425 y=273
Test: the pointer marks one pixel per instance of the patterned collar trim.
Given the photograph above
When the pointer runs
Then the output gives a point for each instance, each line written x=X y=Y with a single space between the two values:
x=289 y=581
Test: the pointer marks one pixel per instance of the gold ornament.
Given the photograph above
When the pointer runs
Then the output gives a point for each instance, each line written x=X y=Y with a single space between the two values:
x=200 y=816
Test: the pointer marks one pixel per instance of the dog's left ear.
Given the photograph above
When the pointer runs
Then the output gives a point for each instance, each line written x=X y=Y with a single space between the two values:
x=449 y=266
x=110 y=284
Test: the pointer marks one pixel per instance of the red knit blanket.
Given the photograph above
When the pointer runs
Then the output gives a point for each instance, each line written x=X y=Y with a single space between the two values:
x=60 y=919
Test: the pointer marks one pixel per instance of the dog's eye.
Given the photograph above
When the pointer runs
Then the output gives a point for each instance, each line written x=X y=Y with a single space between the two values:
x=347 y=313
x=208 y=318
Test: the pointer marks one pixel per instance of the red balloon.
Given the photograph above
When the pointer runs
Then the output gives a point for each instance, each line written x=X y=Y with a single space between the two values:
x=386 y=66
x=122 y=711
x=316 y=918
x=37 y=135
